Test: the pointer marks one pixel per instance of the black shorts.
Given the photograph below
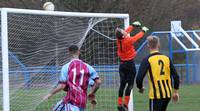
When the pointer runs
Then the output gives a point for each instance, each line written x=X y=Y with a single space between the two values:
x=127 y=71
x=158 y=104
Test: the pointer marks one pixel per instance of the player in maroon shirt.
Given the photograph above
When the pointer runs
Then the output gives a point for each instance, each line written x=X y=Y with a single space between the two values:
x=74 y=79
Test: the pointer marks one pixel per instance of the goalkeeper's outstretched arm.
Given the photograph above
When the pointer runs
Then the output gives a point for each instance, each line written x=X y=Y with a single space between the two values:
x=129 y=29
x=139 y=35
x=133 y=26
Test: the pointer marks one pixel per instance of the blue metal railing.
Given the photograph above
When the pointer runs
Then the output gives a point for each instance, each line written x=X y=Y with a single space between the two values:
x=109 y=72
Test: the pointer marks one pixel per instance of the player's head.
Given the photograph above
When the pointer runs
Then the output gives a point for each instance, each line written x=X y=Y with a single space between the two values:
x=74 y=49
x=120 y=33
x=153 y=42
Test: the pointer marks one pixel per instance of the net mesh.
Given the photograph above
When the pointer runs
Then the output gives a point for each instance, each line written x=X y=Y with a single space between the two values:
x=38 y=49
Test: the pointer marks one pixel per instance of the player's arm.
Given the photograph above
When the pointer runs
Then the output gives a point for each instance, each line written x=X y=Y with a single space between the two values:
x=95 y=87
x=174 y=75
x=175 y=96
x=61 y=84
x=139 y=35
x=133 y=26
x=129 y=28
x=144 y=66
x=91 y=95
x=97 y=82
x=54 y=91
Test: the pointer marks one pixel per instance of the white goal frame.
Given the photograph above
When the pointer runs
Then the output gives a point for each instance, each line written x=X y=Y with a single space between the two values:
x=4 y=41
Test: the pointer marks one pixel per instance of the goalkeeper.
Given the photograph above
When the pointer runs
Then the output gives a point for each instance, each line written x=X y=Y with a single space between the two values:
x=127 y=53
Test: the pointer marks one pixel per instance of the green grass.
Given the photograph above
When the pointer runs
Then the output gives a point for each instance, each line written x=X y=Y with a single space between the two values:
x=189 y=100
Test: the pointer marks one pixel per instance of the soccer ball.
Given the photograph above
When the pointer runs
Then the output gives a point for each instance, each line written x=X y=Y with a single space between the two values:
x=49 y=6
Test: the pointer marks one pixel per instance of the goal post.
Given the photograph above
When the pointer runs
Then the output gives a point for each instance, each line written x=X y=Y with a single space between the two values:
x=34 y=48
x=5 y=65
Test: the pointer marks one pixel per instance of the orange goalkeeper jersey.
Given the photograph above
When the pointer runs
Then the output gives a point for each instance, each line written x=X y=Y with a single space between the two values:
x=125 y=48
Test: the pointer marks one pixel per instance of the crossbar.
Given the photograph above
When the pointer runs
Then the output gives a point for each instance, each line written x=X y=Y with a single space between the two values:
x=69 y=14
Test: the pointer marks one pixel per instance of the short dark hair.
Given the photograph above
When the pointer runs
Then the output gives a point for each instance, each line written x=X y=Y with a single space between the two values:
x=73 y=48
x=119 y=34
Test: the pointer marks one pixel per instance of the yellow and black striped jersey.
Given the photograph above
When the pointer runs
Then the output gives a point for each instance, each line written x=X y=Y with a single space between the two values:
x=160 y=70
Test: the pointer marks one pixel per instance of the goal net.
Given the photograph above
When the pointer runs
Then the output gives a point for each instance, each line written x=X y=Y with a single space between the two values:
x=37 y=49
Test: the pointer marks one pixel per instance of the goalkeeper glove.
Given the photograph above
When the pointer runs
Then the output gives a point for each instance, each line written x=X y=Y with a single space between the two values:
x=136 y=24
x=145 y=29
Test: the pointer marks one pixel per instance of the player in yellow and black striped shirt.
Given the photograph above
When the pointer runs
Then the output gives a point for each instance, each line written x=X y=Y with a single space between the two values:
x=160 y=73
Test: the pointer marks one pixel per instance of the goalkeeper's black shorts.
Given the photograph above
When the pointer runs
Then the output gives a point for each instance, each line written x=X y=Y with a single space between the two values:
x=158 y=104
x=127 y=71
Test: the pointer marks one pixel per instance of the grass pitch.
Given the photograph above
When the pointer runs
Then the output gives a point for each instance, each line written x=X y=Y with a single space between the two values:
x=107 y=97
x=189 y=100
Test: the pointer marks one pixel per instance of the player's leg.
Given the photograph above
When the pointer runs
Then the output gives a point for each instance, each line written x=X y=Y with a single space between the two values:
x=122 y=85
x=121 y=108
x=131 y=72
x=155 y=105
x=165 y=104
x=60 y=106
x=70 y=107
x=122 y=80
